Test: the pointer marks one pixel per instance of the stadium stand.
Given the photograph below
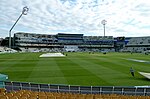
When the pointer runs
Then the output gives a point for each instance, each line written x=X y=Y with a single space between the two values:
x=28 y=94
x=6 y=50
x=25 y=41
x=71 y=90
x=62 y=42
x=139 y=41
x=136 y=44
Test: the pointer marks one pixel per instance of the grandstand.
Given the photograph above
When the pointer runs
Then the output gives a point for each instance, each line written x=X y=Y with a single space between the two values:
x=62 y=42
x=6 y=50
x=138 y=44
x=30 y=42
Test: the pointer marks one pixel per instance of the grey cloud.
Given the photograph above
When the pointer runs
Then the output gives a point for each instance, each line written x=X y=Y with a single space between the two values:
x=78 y=16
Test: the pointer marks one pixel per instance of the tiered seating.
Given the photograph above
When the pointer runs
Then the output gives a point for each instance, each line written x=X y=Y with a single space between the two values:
x=97 y=38
x=133 y=49
x=139 y=41
x=6 y=50
x=137 y=44
x=27 y=94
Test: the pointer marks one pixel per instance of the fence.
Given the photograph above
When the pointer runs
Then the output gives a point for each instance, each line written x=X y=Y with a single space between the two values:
x=123 y=90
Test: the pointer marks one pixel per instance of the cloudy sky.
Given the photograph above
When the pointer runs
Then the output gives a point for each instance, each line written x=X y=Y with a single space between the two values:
x=124 y=17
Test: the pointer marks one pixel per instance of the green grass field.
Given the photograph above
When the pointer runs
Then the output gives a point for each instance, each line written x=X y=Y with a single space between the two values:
x=95 y=69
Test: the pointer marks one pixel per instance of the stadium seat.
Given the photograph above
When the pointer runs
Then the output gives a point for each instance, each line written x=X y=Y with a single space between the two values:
x=27 y=94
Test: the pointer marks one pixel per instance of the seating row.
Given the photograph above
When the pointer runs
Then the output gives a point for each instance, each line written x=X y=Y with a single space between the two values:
x=28 y=94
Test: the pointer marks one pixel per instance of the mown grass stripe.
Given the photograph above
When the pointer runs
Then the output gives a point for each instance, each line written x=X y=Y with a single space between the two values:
x=47 y=71
x=75 y=69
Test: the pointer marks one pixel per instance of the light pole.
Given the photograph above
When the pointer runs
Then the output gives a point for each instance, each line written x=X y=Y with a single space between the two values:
x=24 y=12
x=104 y=23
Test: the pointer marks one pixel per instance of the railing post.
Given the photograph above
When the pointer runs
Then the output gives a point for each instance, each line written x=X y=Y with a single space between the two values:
x=69 y=88
x=29 y=86
x=122 y=91
x=79 y=89
x=12 y=86
x=113 y=89
x=58 y=88
x=49 y=87
x=20 y=85
x=100 y=90
x=4 y=84
x=91 y=90
x=144 y=91
x=135 y=91
x=39 y=88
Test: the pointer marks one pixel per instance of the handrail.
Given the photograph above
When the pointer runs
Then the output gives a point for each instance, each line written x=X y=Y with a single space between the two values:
x=122 y=90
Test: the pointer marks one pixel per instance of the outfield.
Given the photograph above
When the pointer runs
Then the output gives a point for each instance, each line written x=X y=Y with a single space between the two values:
x=76 y=69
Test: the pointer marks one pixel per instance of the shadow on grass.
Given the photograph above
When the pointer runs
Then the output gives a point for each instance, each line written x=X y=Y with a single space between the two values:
x=143 y=79
x=138 y=78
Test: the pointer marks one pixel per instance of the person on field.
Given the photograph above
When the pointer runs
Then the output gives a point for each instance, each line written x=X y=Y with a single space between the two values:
x=132 y=71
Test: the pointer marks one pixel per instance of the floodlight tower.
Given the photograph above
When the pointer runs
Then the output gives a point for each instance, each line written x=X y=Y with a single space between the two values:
x=104 y=23
x=24 y=12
